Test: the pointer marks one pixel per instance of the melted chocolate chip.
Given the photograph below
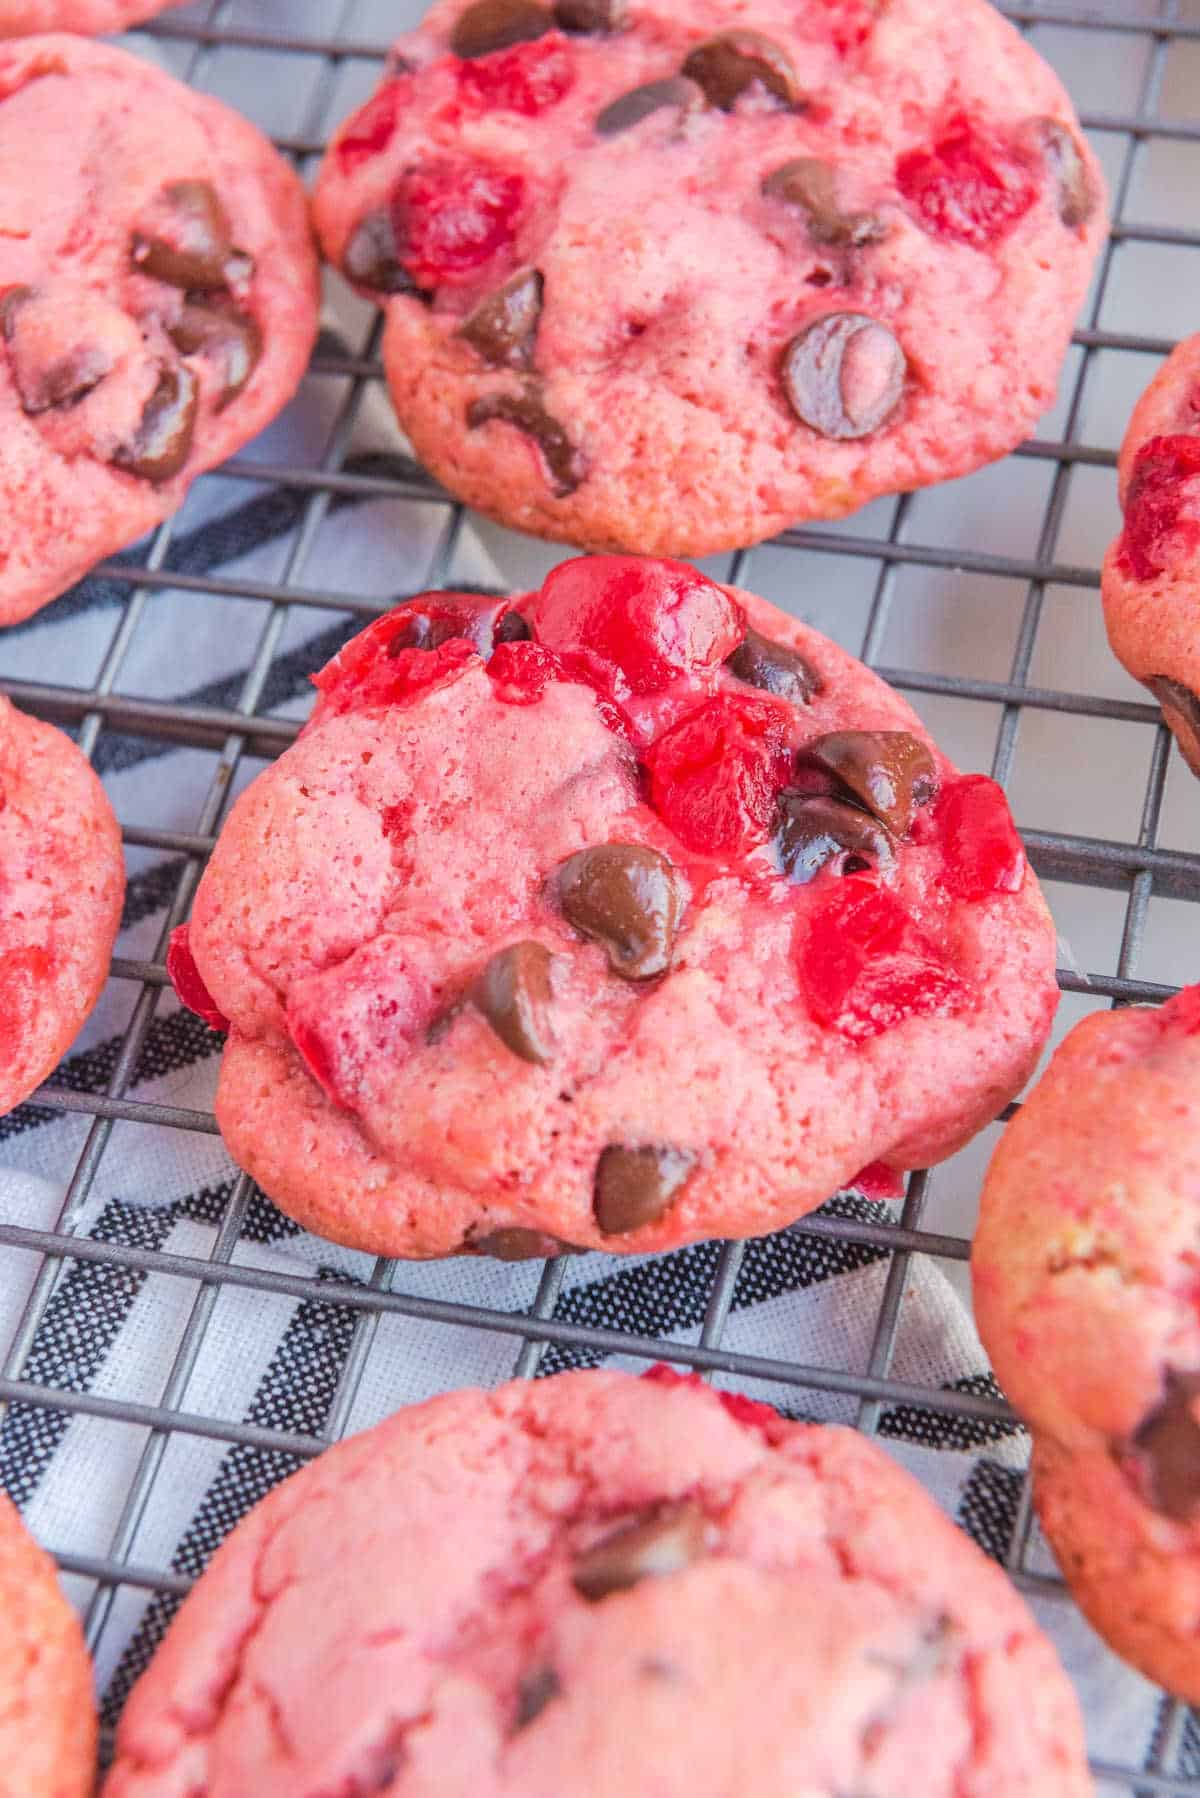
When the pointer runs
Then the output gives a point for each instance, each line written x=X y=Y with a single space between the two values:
x=761 y=662
x=536 y=1690
x=809 y=184
x=372 y=256
x=591 y=17
x=1181 y=711
x=889 y=772
x=503 y=327
x=517 y=1244
x=662 y=1544
x=627 y=898
x=816 y=832
x=497 y=24
x=726 y=65
x=232 y=341
x=193 y=245
x=631 y=108
x=1167 y=1447
x=513 y=993
x=163 y=440
x=512 y=628
x=844 y=374
x=1077 y=195
x=636 y=1185
x=11 y=301
x=563 y=463
x=64 y=382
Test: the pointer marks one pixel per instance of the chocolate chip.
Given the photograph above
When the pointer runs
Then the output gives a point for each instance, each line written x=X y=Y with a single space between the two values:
x=761 y=662
x=664 y=1543
x=496 y=24
x=844 y=374
x=809 y=184
x=636 y=1185
x=564 y=465
x=512 y=628
x=516 y=1244
x=631 y=108
x=1167 y=1445
x=163 y=440
x=627 y=898
x=190 y=246
x=726 y=65
x=1180 y=701
x=1077 y=195
x=503 y=327
x=63 y=382
x=591 y=16
x=372 y=255
x=231 y=339
x=513 y=993
x=536 y=1690
x=889 y=772
x=816 y=831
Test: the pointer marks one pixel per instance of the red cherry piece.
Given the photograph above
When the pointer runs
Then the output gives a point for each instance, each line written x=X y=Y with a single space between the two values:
x=521 y=672
x=190 y=989
x=384 y=664
x=662 y=1374
x=878 y=1181
x=366 y=1011
x=749 y=1411
x=716 y=776
x=1162 y=471
x=865 y=967
x=1183 y=1011
x=372 y=127
x=966 y=188
x=452 y=215
x=22 y=974
x=983 y=852
x=637 y=624
x=527 y=78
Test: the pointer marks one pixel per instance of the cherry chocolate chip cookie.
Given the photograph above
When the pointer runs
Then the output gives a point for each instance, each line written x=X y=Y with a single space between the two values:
x=62 y=880
x=617 y=915
x=1151 y=575
x=48 y=1717
x=1084 y=1269
x=18 y=18
x=649 y=1587
x=668 y=280
x=158 y=301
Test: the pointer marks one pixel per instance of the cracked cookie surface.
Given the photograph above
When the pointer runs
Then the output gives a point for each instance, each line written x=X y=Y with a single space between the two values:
x=669 y=281
x=1084 y=1267
x=620 y=915
x=1151 y=576
x=157 y=304
x=62 y=880
x=644 y=1579
x=47 y=1709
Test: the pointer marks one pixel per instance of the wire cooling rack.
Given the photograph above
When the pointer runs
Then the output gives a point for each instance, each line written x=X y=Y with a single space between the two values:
x=978 y=600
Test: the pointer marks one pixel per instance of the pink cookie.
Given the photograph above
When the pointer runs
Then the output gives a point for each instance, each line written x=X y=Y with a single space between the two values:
x=62 y=880
x=48 y=1714
x=1151 y=576
x=1084 y=1267
x=593 y=1585
x=20 y=17
x=658 y=925
x=670 y=280
x=158 y=301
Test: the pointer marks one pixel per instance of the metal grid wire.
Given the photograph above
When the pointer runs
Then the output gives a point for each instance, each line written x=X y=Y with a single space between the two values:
x=1138 y=868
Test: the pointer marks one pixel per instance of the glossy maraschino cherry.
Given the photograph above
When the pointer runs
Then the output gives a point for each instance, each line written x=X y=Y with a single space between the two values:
x=427 y=642
x=527 y=78
x=190 y=989
x=634 y=625
x=1166 y=471
x=453 y=214
x=716 y=775
x=984 y=855
x=865 y=967
x=965 y=187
